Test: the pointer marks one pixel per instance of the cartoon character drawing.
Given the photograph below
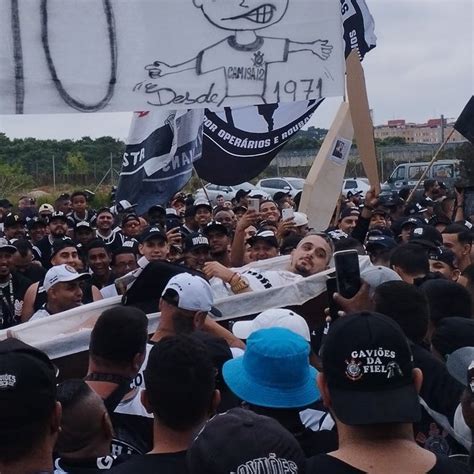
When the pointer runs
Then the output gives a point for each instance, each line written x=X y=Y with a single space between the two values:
x=247 y=54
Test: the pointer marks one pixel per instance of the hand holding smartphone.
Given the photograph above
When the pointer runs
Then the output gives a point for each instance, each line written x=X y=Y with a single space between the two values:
x=287 y=213
x=254 y=204
x=347 y=273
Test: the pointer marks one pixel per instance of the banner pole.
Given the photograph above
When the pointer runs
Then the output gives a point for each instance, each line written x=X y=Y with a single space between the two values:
x=202 y=185
x=435 y=157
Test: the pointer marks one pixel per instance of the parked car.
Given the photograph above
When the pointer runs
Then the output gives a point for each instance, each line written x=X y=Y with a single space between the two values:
x=408 y=174
x=213 y=190
x=355 y=185
x=273 y=185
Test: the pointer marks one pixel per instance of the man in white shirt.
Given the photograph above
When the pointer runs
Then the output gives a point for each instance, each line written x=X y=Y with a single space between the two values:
x=63 y=290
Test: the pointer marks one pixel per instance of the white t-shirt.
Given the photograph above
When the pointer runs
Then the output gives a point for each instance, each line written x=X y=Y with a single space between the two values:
x=40 y=314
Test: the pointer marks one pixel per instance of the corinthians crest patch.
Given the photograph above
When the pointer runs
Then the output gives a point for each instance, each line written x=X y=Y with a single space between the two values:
x=353 y=369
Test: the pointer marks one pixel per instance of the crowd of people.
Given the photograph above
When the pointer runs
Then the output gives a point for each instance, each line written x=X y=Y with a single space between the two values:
x=386 y=387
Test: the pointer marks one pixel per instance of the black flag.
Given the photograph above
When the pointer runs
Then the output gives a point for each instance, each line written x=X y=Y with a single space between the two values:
x=465 y=123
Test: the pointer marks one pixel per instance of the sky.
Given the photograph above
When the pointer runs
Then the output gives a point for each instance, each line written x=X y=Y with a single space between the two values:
x=422 y=67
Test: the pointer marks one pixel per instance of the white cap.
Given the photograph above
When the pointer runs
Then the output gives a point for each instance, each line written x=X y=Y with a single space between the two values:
x=61 y=274
x=194 y=293
x=300 y=219
x=278 y=317
x=122 y=206
x=375 y=275
x=46 y=208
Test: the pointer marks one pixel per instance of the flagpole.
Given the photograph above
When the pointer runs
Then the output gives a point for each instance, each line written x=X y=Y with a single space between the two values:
x=435 y=157
x=202 y=185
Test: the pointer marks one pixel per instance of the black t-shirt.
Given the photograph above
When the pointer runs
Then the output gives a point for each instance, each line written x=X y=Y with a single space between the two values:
x=34 y=273
x=323 y=463
x=87 y=466
x=11 y=304
x=167 y=463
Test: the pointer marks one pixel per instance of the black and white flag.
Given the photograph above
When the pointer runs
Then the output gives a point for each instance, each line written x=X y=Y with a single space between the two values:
x=158 y=159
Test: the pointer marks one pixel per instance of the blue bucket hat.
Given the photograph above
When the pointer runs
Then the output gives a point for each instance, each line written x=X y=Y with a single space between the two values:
x=274 y=372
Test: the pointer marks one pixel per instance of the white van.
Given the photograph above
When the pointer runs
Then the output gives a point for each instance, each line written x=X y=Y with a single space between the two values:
x=408 y=174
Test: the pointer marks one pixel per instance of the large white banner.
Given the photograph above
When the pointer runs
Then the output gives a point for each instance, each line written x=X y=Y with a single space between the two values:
x=61 y=56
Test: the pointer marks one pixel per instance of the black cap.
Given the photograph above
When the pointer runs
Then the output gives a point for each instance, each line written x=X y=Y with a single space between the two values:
x=194 y=241
x=83 y=225
x=60 y=244
x=415 y=208
x=6 y=246
x=216 y=225
x=280 y=195
x=410 y=221
x=453 y=333
x=27 y=385
x=380 y=211
x=12 y=220
x=58 y=215
x=157 y=207
x=265 y=235
x=258 y=441
x=153 y=233
x=380 y=241
x=201 y=203
x=36 y=222
x=427 y=236
x=349 y=211
x=443 y=254
x=5 y=203
x=130 y=217
x=368 y=367
x=242 y=193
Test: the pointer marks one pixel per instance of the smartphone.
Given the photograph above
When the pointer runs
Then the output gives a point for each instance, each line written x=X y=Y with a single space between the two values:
x=331 y=288
x=288 y=213
x=347 y=272
x=254 y=204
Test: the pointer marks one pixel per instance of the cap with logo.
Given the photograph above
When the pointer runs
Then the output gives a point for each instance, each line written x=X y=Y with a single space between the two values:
x=194 y=241
x=153 y=233
x=46 y=208
x=58 y=215
x=349 y=212
x=194 y=293
x=274 y=371
x=27 y=385
x=259 y=444
x=217 y=226
x=267 y=236
x=130 y=217
x=6 y=246
x=410 y=222
x=278 y=317
x=443 y=254
x=62 y=274
x=380 y=241
x=426 y=236
x=83 y=225
x=202 y=203
x=122 y=206
x=368 y=368
x=415 y=208
x=12 y=220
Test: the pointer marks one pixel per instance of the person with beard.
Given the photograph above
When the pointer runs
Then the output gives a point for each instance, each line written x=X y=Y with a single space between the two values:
x=311 y=256
x=58 y=227
x=432 y=189
x=105 y=229
x=13 y=287
x=23 y=262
